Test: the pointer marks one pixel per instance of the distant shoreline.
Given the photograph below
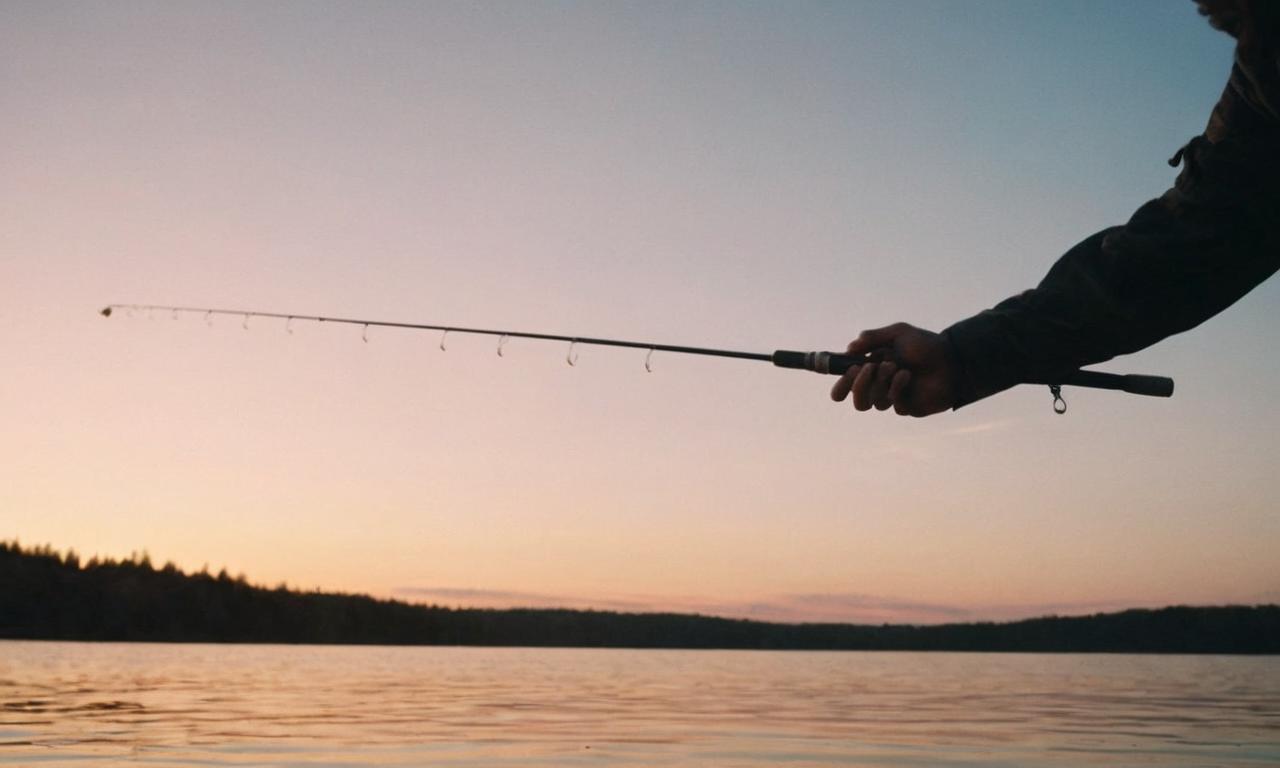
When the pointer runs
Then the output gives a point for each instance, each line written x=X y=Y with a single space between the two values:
x=674 y=649
x=47 y=595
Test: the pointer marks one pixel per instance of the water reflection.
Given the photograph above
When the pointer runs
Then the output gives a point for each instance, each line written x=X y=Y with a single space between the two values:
x=61 y=703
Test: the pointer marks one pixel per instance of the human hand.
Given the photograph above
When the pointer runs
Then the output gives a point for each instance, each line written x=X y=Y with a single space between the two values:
x=916 y=378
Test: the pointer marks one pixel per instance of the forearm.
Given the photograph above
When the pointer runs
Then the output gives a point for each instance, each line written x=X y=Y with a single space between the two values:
x=1179 y=260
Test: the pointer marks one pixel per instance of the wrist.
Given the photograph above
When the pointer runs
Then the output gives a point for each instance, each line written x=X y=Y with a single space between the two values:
x=953 y=367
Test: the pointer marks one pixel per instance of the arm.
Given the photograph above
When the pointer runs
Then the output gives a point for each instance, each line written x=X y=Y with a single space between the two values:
x=1180 y=259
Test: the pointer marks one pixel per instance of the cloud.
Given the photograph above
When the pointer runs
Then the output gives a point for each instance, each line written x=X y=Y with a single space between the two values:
x=986 y=426
x=502 y=598
x=839 y=607
x=918 y=448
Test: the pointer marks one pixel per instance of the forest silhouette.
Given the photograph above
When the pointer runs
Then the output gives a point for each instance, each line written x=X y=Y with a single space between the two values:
x=49 y=595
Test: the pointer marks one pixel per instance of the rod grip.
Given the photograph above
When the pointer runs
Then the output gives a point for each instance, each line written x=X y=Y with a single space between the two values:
x=1154 y=386
x=833 y=363
x=1133 y=383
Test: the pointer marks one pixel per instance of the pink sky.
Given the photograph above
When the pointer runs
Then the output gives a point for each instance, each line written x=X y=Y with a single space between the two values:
x=729 y=176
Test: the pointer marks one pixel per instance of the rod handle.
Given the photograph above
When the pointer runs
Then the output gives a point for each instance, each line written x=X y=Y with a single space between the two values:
x=836 y=364
x=1133 y=383
x=833 y=363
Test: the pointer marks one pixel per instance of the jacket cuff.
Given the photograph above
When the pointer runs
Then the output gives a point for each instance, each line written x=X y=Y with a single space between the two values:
x=984 y=359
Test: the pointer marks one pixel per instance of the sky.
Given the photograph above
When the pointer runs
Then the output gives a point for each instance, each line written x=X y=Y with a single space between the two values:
x=745 y=175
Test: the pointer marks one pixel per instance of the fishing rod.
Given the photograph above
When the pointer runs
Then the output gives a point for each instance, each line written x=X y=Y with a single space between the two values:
x=833 y=363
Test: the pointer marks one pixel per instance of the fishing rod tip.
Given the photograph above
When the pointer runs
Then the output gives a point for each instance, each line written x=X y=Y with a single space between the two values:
x=106 y=312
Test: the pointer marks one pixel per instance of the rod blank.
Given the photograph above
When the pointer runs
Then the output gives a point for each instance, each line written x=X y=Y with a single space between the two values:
x=831 y=363
x=106 y=312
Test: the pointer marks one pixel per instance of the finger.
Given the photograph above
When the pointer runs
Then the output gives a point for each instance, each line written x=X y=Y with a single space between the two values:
x=862 y=386
x=899 y=384
x=843 y=384
x=897 y=391
x=880 y=387
x=876 y=337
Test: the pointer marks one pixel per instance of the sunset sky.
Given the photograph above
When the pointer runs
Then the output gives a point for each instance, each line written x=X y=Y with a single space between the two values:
x=747 y=175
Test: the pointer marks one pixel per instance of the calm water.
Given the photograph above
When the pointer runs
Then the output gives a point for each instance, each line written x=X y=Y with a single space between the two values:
x=160 y=705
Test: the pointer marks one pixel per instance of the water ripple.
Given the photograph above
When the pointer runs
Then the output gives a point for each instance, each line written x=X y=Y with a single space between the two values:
x=161 y=705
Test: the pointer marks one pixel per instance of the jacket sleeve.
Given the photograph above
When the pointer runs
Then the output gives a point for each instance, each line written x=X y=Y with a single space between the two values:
x=1180 y=259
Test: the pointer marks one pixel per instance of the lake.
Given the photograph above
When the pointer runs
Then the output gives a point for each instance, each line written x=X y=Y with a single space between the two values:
x=240 y=705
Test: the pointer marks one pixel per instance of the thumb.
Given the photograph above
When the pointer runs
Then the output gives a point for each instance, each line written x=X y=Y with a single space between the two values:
x=875 y=338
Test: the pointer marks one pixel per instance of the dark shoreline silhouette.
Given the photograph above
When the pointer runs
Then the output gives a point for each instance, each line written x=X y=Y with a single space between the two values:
x=46 y=595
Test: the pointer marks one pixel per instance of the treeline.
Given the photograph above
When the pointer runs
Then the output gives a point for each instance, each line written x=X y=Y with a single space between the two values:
x=48 y=595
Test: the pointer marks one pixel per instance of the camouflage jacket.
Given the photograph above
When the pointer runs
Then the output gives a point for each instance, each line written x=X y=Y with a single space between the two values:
x=1180 y=259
